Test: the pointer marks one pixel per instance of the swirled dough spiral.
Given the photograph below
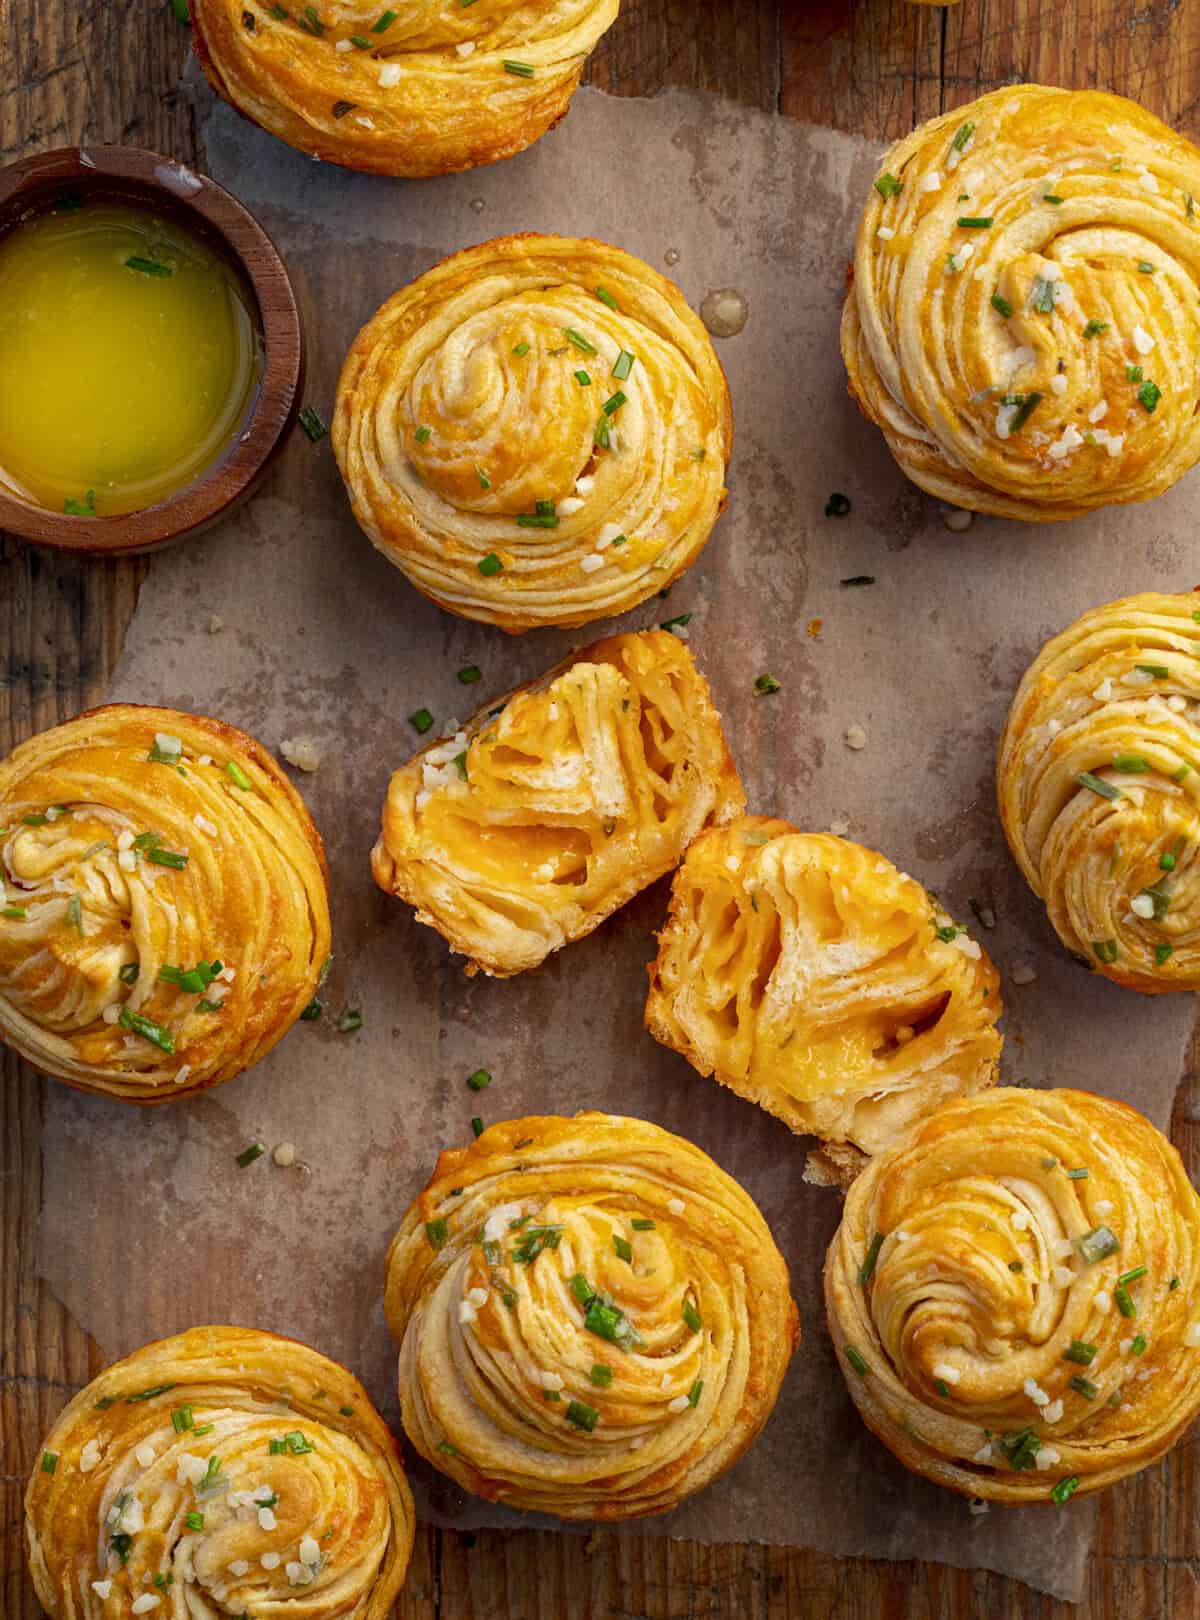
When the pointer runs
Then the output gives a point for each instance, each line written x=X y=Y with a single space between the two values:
x=1013 y=1295
x=165 y=919
x=593 y=1318
x=1024 y=318
x=556 y=805
x=809 y=975
x=1099 y=787
x=224 y=1474
x=535 y=432
x=420 y=89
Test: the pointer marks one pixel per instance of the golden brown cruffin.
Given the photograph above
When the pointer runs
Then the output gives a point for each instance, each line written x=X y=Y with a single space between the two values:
x=420 y=89
x=535 y=432
x=810 y=976
x=556 y=805
x=1012 y=1295
x=593 y=1318
x=222 y=1472
x=1024 y=318
x=165 y=919
x=1099 y=788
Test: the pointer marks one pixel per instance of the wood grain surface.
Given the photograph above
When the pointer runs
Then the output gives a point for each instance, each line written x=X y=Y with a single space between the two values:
x=109 y=71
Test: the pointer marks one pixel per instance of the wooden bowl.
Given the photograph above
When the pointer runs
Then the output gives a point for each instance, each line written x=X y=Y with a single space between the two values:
x=124 y=172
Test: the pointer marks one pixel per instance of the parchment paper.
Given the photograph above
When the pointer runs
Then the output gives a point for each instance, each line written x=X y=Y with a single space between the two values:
x=324 y=639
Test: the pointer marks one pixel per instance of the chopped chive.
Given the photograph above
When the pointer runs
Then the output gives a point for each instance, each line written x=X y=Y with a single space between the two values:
x=601 y=1375
x=310 y=22
x=1097 y=784
x=167 y=857
x=1139 y=1345
x=297 y=1444
x=75 y=912
x=582 y=1416
x=623 y=365
x=204 y=1428
x=490 y=565
x=962 y=136
x=277 y=1448
x=1127 y=1277
x=84 y=508
x=420 y=720
x=479 y=1080
x=194 y=1521
x=691 y=1316
x=972 y=222
x=522 y=70
x=942 y=1387
x=1096 y=1245
x=384 y=22
x=1175 y=1282
x=350 y=1020
x=1049 y=197
x=578 y=339
x=1130 y=764
x=477 y=1125
x=1064 y=1490
x=766 y=684
x=362 y=43
x=1077 y=1175
x=1083 y=1386
x=888 y=186
x=310 y=1014
x=605 y=297
x=469 y=674
x=145 y=1394
x=856 y=1361
x=1095 y=328
x=437 y=1232
x=49 y=1461
x=1146 y=267
x=551 y=1395
x=129 y=973
x=1149 y=395
x=1124 y=1300
x=581 y=1288
x=1167 y=861
x=1082 y=1354
x=182 y=1419
x=147 y=1029
x=521 y=349
x=537 y=520
x=582 y=378
x=248 y=1155
x=122 y=1542
x=695 y=1392
x=15 y=913
x=1024 y=411
x=460 y=762
x=622 y=1248
x=1016 y=1265
x=147 y=267
x=1133 y=373
x=640 y=1224
x=677 y=623
x=1020 y=1446
x=1002 y=305
x=1043 y=295
x=872 y=1255
x=614 y=402
x=310 y=421
x=423 y=434
x=237 y=775
x=1162 y=953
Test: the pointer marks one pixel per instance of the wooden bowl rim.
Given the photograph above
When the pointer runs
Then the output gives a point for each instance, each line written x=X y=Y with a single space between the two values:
x=28 y=184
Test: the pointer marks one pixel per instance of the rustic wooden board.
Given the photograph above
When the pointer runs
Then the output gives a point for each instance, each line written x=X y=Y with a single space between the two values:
x=109 y=72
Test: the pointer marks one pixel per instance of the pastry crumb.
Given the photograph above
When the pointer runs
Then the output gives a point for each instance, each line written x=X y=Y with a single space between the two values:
x=216 y=624
x=957 y=519
x=301 y=752
x=856 y=737
x=1023 y=973
x=285 y=1154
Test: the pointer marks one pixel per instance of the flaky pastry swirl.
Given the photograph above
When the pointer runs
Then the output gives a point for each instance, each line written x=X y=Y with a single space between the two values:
x=223 y=1474
x=1024 y=318
x=426 y=88
x=593 y=1318
x=1099 y=786
x=557 y=804
x=535 y=431
x=809 y=975
x=1013 y=1295
x=165 y=919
